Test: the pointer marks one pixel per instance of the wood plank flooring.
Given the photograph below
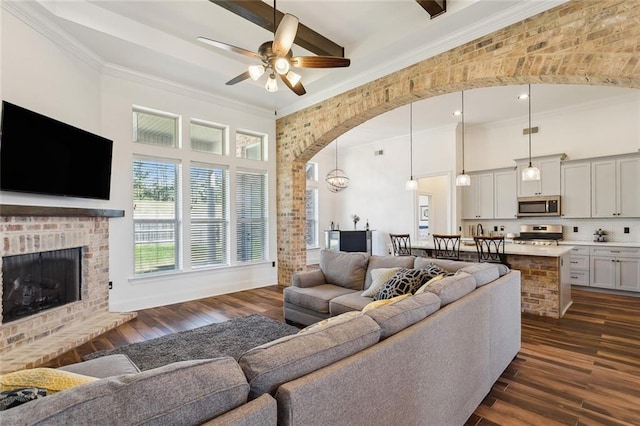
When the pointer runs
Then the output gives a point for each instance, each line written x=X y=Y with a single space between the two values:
x=583 y=369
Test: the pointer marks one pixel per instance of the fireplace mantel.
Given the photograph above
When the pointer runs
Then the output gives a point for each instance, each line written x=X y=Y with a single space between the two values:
x=47 y=211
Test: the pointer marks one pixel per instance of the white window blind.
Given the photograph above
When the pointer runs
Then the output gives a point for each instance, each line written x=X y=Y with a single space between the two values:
x=251 y=211
x=155 y=216
x=209 y=215
x=155 y=129
x=207 y=138
x=311 y=206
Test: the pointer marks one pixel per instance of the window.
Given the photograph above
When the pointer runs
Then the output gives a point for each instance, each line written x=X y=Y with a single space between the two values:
x=155 y=128
x=155 y=215
x=250 y=146
x=209 y=215
x=311 y=206
x=252 y=221
x=206 y=137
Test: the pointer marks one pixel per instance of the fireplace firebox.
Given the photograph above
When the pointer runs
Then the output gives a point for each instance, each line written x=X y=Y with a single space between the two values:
x=35 y=282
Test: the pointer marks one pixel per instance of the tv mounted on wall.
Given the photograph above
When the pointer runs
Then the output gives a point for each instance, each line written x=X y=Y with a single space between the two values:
x=41 y=155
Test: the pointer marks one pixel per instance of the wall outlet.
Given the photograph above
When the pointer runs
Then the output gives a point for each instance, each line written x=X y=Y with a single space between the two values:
x=575 y=229
x=110 y=285
x=626 y=229
x=495 y=229
x=273 y=264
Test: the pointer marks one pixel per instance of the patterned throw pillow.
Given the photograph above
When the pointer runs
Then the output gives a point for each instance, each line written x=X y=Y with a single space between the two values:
x=405 y=281
x=379 y=278
x=13 y=398
x=433 y=270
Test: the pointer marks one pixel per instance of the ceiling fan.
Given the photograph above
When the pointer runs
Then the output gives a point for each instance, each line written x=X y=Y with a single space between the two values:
x=277 y=57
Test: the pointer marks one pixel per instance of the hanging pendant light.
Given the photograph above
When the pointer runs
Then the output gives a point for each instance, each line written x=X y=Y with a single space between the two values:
x=336 y=179
x=411 y=184
x=463 y=179
x=530 y=173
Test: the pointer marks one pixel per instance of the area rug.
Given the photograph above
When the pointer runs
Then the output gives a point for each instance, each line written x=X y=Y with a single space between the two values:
x=228 y=338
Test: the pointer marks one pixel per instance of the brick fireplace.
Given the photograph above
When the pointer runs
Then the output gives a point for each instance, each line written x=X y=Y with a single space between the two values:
x=33 y=340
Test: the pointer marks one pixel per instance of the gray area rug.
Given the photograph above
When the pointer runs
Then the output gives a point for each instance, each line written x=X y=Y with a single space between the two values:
x=228 y=338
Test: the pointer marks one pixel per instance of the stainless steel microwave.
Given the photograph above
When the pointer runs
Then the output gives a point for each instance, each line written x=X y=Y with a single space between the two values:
x=539 y=206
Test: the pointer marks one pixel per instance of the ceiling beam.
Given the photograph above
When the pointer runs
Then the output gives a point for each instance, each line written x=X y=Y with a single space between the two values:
x=261 y=14
x=433 y=7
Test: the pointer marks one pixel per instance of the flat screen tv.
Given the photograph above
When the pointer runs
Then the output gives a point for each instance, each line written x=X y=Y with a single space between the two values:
x=41 y=155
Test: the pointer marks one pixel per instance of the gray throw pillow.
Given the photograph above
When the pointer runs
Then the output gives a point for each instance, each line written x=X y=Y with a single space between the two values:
x=403 y=282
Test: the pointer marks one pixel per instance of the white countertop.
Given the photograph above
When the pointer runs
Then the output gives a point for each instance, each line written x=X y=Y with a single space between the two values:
x=509 y=248
x=591 y=243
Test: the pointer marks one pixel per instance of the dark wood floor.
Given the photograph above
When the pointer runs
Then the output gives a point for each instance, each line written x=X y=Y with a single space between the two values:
x=583 y=369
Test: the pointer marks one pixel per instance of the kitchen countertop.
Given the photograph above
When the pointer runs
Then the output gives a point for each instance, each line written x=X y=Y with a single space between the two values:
x=513 y=249
x=605 y=244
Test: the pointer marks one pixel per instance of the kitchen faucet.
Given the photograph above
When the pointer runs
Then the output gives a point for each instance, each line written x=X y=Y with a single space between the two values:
x=479 y=230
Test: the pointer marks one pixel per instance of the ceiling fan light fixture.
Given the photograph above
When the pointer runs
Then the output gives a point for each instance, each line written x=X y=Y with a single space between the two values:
x=293 y=78
x=281 y=65
x=256 y=71
x=272 y=84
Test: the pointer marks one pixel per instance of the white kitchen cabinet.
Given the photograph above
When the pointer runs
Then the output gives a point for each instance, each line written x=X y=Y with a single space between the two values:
x=477 y=198
x=575 y=190
x=616 y=268
x=614 y=186
x=505 y=195
x=549 y=183
x=579 y=266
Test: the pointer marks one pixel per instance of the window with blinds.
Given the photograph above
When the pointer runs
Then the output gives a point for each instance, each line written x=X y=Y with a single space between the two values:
x=249 y=145
x=155 y=128
x=155 y=215
x=206 y=137
x=251 y=215
x=311 y=206
x=209 y=215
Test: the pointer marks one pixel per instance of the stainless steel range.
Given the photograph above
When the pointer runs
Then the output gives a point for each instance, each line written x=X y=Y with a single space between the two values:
x=539 y=235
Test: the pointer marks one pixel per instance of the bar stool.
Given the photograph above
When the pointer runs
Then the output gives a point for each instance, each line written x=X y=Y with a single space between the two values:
x=401 y=244
x=446 y=246
x=491 y=250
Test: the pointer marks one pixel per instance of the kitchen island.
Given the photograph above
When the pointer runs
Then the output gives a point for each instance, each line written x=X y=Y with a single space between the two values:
x=545 y=287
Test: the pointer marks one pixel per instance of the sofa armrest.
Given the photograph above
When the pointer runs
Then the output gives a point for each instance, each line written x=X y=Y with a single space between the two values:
x=259 y=412
x=311 y=278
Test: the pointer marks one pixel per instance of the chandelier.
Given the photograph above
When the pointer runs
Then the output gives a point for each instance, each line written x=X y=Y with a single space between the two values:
x=336 y=179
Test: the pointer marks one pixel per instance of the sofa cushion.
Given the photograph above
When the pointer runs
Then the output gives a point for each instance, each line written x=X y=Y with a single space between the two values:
x=398 y=316
x=451 y=288
x=403 y=282
x=104 y=366
x=446 y=264
x=347 y=316
x=315 y=298
x=182 y=393
x=384 y=302
x=269 y=365
x=344 y=269
x=376 y=262
x=348 y=302
x=379 y=278
x=483 y=273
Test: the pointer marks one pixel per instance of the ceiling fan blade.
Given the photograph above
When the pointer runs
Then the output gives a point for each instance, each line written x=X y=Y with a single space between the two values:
x=298 y=89
x=245 y=75
x=230 y=48
x=320 y=62
x=285 y=34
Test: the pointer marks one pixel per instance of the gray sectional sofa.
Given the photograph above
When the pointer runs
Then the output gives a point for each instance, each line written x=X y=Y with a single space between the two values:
x=428 y=359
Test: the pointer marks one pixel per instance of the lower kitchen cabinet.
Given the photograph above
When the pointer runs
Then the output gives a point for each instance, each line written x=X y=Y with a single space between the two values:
x=615 y=268
x=580 y=263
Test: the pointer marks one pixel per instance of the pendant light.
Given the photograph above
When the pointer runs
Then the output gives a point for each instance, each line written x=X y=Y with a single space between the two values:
x=336 y=179
x=463 y=179
x=530 y=173
x=411 y=184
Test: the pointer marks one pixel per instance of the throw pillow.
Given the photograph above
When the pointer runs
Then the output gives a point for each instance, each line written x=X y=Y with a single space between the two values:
x=431 y=281
x=433 y=270
x=45 y=378
x=330 y=321
x=384 y=302
x=379 y=278
x=403 y=282
x=13 y=398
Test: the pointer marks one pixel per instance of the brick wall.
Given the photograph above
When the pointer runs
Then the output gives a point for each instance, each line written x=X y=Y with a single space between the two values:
x=22 y=235
x=579 y=42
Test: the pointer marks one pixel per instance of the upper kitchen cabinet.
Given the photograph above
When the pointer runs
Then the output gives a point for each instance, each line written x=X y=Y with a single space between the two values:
x=575 y=189
x=614 y=187
x=549 y=183
x=477 y=198
x=505 y=198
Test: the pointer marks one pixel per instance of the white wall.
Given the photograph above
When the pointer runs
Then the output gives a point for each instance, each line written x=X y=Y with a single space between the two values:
x=47 y=77
x=439 y=208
